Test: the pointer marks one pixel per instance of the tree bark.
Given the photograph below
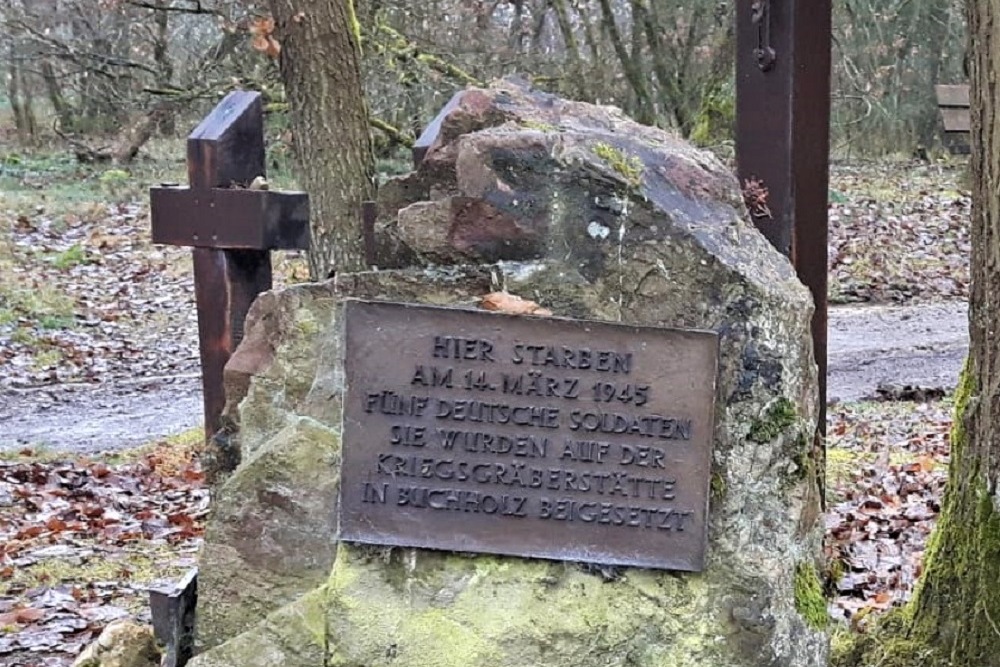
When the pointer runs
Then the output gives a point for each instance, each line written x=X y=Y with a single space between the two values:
x=164 y=65
x=958 y=603
x=954 y=617
x=631 y=67
x=64 y=112
x=321 y=69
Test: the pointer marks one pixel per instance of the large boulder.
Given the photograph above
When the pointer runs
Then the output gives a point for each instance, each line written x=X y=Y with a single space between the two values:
x=591 y=216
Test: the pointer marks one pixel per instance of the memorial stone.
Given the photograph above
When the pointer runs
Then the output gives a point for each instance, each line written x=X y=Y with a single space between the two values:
x=582 y=441
x=638 y=244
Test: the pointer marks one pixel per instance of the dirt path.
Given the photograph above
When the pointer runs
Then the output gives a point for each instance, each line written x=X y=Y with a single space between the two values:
x=90 y=419
x=921 y=345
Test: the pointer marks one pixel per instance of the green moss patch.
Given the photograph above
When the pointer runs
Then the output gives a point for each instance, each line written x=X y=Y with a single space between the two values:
x=778 y=417
x=809 y=599
x=628 y=167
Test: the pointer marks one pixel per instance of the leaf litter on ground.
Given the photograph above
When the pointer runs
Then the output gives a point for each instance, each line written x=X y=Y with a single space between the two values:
x=82 y=541
x=899 y=231
x=92 y=313
x=88 y=298
x=886 y=471
x=85 y=297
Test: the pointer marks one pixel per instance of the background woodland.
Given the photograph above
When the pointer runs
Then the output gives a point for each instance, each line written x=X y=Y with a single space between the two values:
x=105 y=76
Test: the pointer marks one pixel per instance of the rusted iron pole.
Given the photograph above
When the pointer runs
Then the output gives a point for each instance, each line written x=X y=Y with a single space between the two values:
x=782 y=136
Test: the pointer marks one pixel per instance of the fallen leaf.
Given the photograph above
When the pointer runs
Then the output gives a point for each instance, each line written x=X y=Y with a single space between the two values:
x=21 y=616
x=505 y=302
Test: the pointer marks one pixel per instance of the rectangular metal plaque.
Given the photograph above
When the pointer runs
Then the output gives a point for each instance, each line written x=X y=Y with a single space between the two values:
x=539 y=437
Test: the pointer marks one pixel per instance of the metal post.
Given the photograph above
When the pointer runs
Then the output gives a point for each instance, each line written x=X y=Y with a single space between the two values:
x=782 y=136
x=226 y=149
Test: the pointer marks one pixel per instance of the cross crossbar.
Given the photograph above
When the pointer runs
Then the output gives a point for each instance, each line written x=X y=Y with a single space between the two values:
x=230 y=219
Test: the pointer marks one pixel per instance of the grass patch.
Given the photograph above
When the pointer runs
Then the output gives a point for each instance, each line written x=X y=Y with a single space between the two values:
x=36 y=453
x=172 y=452
x=47 y=358
x=628 y=167
x=87 y=566
x=93 y=563
x=72 y=256
x=54 y=181
x=42 y=306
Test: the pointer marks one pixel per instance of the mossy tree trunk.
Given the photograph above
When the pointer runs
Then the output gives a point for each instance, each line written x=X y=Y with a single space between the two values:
x=321 y=69
x=958 y=603
x=954 y=617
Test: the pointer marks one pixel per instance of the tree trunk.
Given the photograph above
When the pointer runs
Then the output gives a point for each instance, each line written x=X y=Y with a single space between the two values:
x=321 y=69
x=632 y=67
x=164 y=65
x=141 y=130
x=958 y=604
x=61 y=108
x=19 y=94
x=954 y=618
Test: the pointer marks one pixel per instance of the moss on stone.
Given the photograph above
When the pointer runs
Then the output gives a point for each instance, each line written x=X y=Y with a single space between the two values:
x=266 y=538
x=436 y=609
x=800 y=452
x=537 y=125
x=628 y=167
x=778 y=416
x=809 y=599
x=718 y=486
x=292 y=635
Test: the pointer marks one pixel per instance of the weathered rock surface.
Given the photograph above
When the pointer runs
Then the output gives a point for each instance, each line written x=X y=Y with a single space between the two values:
x=121 y=644
x=591 y=216
x=514 y=174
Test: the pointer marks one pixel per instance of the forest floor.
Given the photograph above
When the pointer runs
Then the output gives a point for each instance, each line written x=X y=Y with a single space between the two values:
x=100 y=495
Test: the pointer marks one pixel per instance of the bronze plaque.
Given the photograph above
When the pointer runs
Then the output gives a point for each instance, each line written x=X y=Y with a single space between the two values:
x=540 y=437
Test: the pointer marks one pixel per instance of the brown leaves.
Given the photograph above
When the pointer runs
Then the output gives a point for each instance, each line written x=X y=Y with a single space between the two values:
x=504 y=302
x=84 y=321
x=886 y=472
x=755 y=195
x=898 y=231
x=21 y=616
x=262 y=29
x=77 y=538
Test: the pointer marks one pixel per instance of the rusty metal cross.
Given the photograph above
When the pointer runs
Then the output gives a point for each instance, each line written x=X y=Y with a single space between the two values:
x=230 y=227
x=782 y=135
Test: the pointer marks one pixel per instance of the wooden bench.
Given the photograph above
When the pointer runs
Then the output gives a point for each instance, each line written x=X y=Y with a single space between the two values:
x=953 y=102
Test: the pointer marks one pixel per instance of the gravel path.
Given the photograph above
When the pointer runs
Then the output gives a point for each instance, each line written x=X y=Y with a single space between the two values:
x=95 y=418
x=920 y=345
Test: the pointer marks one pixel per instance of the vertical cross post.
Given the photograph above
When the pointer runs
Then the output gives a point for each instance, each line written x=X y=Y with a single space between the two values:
x=782 y=136
x=230 y=227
